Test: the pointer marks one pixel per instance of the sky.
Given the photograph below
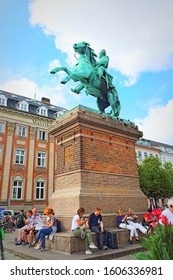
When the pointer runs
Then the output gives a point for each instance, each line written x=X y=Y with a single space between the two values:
x=38 y=35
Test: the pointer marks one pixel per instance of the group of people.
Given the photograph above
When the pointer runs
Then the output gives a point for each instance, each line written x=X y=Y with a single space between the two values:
x=130 y=222
x=31 y=229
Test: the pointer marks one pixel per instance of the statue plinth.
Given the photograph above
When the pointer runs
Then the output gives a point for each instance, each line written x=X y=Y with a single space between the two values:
x=96 y=166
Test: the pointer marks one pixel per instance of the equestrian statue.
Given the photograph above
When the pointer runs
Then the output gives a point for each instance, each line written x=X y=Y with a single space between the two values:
x=93 y=76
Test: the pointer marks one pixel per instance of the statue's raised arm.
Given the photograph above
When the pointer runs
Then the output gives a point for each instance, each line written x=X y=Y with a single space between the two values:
x=93 y=76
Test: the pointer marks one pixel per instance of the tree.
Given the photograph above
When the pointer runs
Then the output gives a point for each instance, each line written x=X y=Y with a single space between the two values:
x=155 y=180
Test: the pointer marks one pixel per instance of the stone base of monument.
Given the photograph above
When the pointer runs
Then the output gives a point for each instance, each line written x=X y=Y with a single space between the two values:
x=96 y=166
x=66 y=242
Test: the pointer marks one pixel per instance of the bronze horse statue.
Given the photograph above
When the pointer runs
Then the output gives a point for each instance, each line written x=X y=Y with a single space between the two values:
x=86 y=71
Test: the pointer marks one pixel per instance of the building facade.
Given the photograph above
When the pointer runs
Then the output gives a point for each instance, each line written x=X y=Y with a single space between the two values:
x=27 y=151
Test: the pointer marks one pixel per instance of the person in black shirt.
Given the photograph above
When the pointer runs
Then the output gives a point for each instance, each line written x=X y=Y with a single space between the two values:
x=20 y=219
x=96 y=225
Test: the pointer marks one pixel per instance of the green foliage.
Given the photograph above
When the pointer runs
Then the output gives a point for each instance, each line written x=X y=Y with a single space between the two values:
x=159 y=245
x=155 y=181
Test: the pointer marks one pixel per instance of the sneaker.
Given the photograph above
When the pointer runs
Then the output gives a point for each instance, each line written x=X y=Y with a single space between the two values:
x=37 y=247
x=88 y=252
x=137 y=240
x=92 y=246
x=51 y=237
x=100 y=248
x=105 y=247
x=25 y=243
x=18 y=243
x=43 y=249
x=130 y=242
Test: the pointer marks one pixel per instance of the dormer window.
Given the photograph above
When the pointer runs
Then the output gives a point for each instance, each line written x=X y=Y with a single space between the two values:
x=42 y=111
x=58 y=114
x=23 y=105
x=3 y=100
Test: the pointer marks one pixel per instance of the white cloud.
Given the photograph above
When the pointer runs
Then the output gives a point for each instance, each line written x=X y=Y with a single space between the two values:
x=137 y=34
x=28 y=88
x=158 y=124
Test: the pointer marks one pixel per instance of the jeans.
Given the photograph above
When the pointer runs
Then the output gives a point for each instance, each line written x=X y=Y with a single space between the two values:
x=97 y=230
x=41 y=235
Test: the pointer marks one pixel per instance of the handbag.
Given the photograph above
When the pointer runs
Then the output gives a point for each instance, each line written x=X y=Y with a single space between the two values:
x=123 y=225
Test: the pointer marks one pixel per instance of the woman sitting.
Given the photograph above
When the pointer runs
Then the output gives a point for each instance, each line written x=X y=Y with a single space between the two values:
x=47 y=228
x=80 y=228
x=122 y=223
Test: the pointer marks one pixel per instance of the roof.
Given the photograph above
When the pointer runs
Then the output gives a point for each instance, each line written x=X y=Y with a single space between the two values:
x=154 y=144
x=14 y=99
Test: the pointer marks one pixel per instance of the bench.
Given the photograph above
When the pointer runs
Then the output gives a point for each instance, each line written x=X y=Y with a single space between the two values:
x=68 y=243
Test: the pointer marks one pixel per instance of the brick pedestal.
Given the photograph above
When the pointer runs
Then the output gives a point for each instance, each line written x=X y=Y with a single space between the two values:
x=96 y=166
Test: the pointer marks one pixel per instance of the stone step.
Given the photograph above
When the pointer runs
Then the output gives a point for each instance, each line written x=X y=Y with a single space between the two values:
x=68 y=243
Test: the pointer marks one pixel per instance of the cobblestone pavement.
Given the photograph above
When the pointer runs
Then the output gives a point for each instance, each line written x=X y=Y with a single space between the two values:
x=9 y=256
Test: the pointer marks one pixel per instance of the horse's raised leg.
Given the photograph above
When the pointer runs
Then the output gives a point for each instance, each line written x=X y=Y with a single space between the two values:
x=65 y=69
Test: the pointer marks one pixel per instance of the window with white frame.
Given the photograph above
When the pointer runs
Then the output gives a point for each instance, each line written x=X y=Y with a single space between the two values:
x=139 y=155
x=40 y=189
x=19 y=156
x=151 y=155
x=59 y=114
x=3 y=100
x=1 y=127
x=41 y=159
x=21 y=131
x=42 y=135
x=23 y=105
x=42 y=111
x=17 y=189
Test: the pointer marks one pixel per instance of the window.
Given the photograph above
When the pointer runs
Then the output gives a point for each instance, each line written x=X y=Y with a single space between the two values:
x=139 y=155
x=17 y=189
x=41 y=159
x=21 y=131
x=58 y=114
x=1 y=127
x=42 y=135
x=40 y=189
x=151 y=155
x=145 y=154
x=3 y=100
x=19 y=156
x=42 y=111
x=23 y=105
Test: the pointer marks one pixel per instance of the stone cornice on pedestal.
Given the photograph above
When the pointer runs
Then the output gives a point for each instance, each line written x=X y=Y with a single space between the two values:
x=91 y=119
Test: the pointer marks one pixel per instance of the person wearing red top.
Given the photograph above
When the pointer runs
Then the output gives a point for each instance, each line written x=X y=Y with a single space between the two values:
x=148 y=218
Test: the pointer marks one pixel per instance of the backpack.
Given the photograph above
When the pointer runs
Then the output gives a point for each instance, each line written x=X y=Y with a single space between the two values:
x=58 y=226
x=112 y=240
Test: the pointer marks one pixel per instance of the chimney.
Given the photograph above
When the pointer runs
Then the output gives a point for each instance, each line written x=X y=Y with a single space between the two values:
x=45 y=100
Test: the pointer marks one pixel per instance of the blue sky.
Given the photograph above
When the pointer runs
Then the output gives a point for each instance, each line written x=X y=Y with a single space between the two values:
x=137 y=35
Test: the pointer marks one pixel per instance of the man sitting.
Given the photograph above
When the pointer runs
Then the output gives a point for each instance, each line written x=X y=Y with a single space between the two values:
x=96 y=225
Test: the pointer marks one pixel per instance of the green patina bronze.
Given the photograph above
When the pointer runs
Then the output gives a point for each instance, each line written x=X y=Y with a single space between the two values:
x=93 y=76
